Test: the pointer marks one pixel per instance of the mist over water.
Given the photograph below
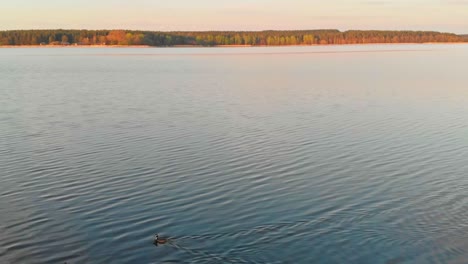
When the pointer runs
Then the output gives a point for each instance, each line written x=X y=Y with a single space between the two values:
x=330 y=154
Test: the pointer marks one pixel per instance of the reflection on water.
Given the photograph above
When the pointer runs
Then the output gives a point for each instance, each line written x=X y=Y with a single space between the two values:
x=330 y=154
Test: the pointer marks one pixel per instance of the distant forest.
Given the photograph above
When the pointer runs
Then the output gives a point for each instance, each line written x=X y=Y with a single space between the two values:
x=215 y=38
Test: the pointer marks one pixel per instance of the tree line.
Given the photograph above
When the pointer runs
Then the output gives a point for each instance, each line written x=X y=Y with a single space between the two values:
x=215 y=38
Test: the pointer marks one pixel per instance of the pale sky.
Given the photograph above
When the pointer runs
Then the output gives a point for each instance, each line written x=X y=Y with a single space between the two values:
x=166 y=15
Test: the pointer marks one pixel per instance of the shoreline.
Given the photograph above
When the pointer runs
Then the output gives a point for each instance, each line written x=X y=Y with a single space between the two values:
x=75 y=46
x=220 y=46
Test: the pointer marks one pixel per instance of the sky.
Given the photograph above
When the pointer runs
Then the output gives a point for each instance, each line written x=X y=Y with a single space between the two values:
x=169 y=15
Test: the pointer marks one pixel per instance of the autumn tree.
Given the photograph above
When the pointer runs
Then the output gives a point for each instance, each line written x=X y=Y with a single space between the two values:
x=117 y=37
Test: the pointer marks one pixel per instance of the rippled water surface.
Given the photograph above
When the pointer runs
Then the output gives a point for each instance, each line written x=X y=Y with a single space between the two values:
x=337 y=154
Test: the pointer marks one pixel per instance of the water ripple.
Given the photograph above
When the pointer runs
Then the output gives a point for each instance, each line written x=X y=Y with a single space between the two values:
x=236 y=164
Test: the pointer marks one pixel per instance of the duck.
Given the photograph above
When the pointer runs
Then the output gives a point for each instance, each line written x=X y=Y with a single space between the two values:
x=159 y=240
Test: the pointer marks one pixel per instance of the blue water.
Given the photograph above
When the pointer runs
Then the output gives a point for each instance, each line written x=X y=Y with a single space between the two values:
x=330 y=154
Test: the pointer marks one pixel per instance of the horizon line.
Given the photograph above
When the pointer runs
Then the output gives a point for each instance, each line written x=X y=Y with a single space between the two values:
x=262 y=30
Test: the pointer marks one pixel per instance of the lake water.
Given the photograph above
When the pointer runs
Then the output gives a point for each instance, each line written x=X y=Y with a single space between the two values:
x=330 y=154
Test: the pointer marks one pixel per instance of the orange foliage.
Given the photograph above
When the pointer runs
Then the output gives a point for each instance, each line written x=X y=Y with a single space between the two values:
x=117 y=37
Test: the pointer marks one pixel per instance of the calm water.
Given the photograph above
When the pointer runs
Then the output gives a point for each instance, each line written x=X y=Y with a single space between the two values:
x=348 y=154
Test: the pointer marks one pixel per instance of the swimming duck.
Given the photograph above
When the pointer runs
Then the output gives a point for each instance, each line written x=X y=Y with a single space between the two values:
x=159 y=240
